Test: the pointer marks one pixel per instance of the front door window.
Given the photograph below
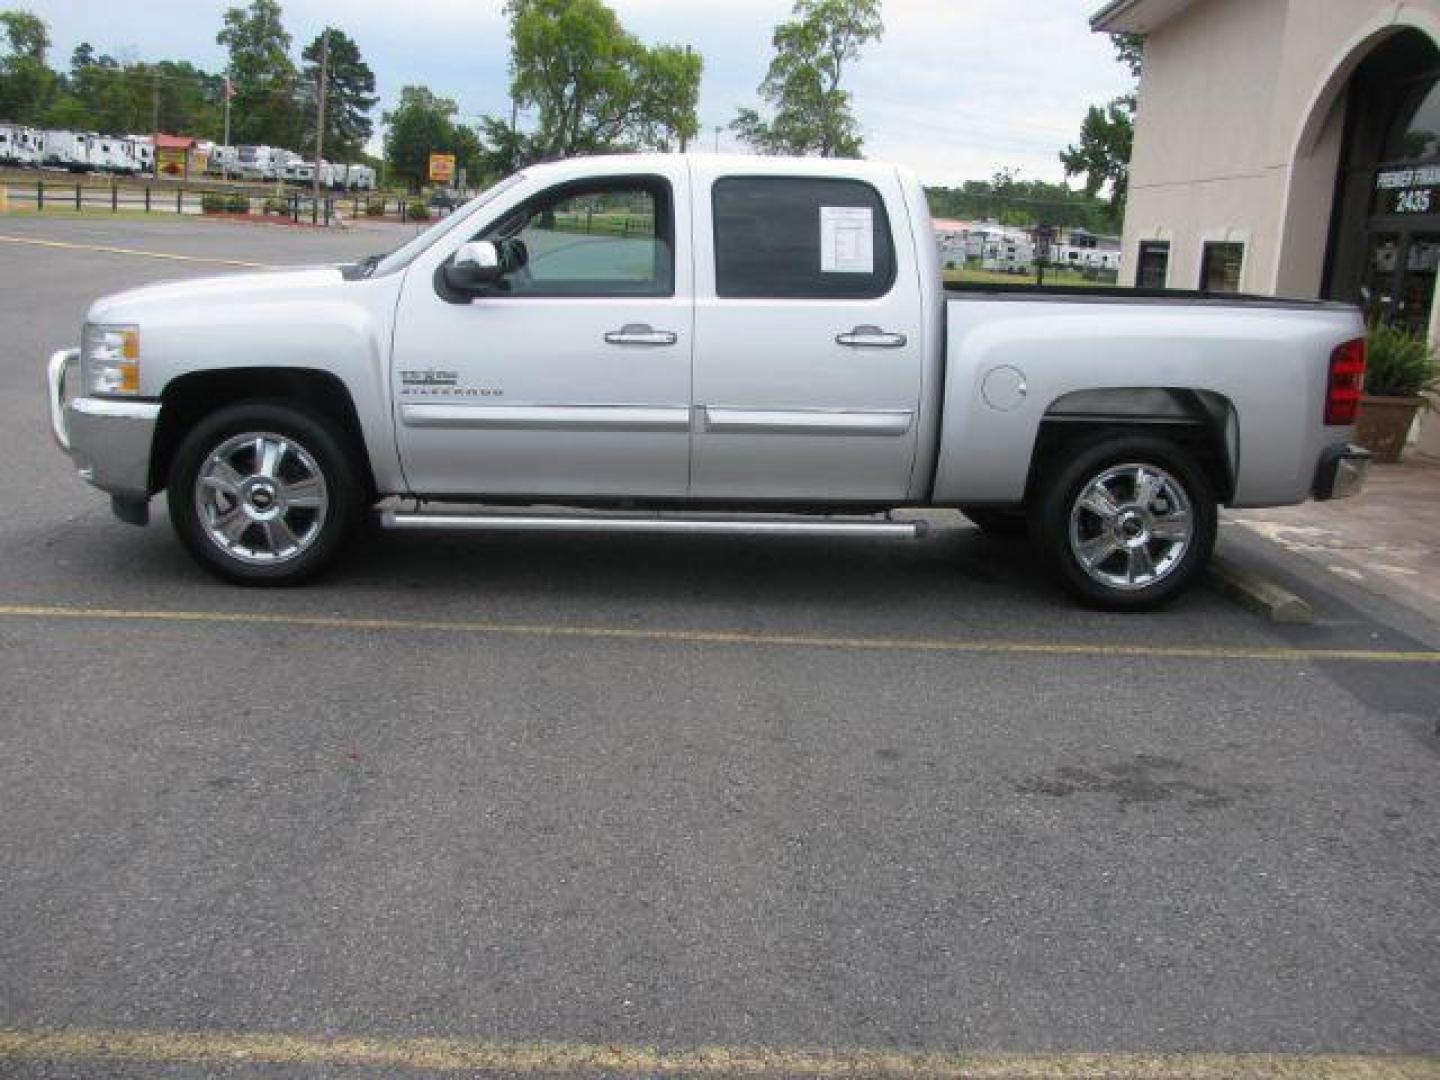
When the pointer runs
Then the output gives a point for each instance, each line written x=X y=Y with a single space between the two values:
x=601 y=240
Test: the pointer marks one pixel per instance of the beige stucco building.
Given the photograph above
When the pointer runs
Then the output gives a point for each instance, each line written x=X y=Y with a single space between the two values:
x=1289 y=147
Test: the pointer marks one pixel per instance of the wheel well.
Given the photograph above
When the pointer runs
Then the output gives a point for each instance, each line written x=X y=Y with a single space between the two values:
x=190 y=398
x=1200 y=422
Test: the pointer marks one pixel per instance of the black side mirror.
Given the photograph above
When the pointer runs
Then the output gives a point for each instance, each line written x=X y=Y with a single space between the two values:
x=471 y=273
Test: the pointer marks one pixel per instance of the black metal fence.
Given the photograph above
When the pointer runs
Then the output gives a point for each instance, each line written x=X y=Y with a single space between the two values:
x=282 y=205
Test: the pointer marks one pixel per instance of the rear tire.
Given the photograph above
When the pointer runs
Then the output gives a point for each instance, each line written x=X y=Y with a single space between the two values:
x=264 y=494
x=1127 y=523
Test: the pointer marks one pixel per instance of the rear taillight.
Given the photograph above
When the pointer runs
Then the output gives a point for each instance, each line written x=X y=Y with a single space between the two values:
x=1342 y=390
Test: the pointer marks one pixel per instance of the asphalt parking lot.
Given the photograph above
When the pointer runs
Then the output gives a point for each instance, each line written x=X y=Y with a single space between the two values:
x=817 y=799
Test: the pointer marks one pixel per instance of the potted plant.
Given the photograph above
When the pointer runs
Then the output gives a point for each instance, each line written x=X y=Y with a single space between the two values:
x=1400 y=370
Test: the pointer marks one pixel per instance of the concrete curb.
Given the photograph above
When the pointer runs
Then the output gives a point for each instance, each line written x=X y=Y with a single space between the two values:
x=1259 y=594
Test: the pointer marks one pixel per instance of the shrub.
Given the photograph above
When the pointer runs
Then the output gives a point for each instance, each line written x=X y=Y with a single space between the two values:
x=375 y=207
x=417 y=211
x=276 y=206
x=216 y=202
x=1398 y=363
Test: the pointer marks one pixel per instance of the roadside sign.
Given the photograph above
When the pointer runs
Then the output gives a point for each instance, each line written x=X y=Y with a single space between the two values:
x=442 y=168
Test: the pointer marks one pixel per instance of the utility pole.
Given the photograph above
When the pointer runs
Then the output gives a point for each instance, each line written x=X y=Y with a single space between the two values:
x=154 y=102
x=685 y=139
x=718 y=129
x=322 y=89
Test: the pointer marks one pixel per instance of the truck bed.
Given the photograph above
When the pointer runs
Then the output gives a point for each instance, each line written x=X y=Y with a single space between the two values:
x=978 y=290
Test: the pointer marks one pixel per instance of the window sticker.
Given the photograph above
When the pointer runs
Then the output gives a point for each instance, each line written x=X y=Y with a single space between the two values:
x=847 y=240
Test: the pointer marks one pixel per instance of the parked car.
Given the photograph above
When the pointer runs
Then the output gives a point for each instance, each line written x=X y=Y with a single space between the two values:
x=445 y=199
x=762 y=339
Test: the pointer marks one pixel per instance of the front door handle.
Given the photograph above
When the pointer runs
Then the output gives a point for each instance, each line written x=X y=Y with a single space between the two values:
x=871 y=337
x=640 y=333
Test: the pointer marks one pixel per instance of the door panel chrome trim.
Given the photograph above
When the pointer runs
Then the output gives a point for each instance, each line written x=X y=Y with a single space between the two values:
x=723 y=421
x=548 y=417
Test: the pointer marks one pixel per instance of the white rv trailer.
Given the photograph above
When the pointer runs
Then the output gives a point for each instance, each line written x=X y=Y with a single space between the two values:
x=1009 y=251
x=297 y=170
x=224 y=160
x=257 y=163
x=113 y=154
x=144 y=149
x=360 y=178
x=67 y=150
x=19 y=145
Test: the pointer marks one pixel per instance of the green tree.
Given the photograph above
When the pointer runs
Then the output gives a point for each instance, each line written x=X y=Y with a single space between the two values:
x=26 y=35
x=811 y=114
x=172 y=95
x=502 y=150
x=1011 y=200
x=191 y=100
x=421 y=124
x=350 y=97
x=26 y=81
x=593 y=86
x=265 y=108
x=1107 y=135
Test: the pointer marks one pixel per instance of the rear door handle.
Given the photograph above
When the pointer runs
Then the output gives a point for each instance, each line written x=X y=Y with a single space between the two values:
x=870 y=337
x=641 y=334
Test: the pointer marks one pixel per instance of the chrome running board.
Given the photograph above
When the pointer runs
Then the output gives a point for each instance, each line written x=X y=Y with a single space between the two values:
x=674 y=523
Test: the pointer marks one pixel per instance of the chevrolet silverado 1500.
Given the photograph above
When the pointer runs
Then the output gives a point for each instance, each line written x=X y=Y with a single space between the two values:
x=704 y=344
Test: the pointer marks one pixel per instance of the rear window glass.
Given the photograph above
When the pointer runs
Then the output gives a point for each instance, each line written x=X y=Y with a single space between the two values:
x=801 y=238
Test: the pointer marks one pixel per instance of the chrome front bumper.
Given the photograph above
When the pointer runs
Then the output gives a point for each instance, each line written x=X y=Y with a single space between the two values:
x=1341 y=472
x=108 y=440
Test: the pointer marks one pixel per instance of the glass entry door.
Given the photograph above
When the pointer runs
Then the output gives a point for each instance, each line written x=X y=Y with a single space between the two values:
x=1417 y=282
x=1398 y=281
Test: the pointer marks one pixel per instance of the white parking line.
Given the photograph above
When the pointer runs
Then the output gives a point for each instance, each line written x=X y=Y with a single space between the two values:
x=33 y=242
x=614 y=1059
x=762 y=639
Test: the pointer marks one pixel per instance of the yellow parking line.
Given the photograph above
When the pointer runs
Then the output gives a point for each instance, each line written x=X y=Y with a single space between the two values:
x=608 y=1059
x=134 y=251
x=716 y=637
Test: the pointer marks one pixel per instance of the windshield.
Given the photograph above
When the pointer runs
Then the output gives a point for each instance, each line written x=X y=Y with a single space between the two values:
x=402 y=256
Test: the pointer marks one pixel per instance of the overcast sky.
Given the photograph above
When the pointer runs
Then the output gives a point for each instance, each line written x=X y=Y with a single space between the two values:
x=957 y=88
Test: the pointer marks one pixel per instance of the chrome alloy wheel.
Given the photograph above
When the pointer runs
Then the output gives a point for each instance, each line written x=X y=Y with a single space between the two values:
x=1130 y=526
x=261 y=498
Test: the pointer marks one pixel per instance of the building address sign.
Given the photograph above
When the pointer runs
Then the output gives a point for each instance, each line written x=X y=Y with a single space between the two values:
x=1408 y=191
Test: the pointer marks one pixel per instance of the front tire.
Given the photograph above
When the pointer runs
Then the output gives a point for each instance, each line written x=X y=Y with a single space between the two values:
x=264 y=494
x=1127 y=524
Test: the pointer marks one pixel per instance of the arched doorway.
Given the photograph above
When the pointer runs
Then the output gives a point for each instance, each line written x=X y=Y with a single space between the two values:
x=1384 y=244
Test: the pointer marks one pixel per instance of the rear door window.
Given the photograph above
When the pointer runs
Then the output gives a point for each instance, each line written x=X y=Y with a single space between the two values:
x=801 y=238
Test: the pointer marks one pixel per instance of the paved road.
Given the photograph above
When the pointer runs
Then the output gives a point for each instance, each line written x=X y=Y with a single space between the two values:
x=634 y=792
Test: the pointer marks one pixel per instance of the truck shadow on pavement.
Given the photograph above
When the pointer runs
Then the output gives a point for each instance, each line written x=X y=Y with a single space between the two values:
x=956 y=572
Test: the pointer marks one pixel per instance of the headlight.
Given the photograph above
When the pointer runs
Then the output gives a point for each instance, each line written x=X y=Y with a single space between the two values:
x=110 y=357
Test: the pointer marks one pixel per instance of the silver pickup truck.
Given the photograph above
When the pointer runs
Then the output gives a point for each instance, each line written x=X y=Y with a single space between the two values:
x=704 y=344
